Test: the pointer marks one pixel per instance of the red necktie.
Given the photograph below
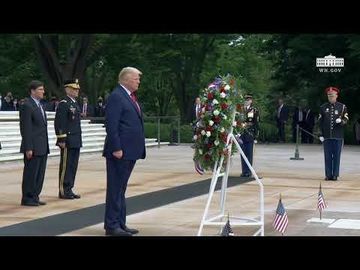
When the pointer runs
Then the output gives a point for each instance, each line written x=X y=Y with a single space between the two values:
x=133 y=97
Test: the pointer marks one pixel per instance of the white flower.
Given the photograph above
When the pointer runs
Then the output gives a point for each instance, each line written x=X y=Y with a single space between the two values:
x=216 y=143
x=222 y=95
x=203 y=110
x=200 y=152
x=215 y=102
x=211 y=122
x=203 y=132
x=227 y=87
x=208 y=133
x=195 y=137
x=224 y=117
x=216 y=112
x=234 y=124
x=222 y=130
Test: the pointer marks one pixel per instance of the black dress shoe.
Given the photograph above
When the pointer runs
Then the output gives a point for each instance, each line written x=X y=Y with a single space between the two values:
x=29 y=203
x=327 y=178
x=66 y=196
x=41 y=203
x=132 y=231
x=117 y=232
x=76 y=196
x=334 y=178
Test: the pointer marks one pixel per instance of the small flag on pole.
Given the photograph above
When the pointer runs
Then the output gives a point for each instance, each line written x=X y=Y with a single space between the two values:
x=198 y=168
x=227 y=231
x=281 y=220
x=321 y=201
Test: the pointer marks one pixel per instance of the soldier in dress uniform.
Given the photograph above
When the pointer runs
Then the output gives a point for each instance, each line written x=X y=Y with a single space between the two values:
x=68 y=133
x=251 y=130
x=333 y=116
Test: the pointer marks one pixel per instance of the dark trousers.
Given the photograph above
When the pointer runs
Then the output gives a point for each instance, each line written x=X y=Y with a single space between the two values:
x=69 y=159
x=33 y=178
x=281 y=128
x=248 y=148
x=332 y=152
x=118 y=173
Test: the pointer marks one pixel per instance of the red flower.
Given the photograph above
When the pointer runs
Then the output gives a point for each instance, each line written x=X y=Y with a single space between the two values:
x=238 y=107
x=217 y=119
x=222 y=90
x=207 y=156
x=210 y=95
x=207 y=107
x=224 y=106
x=209 y=145
x=209 y=128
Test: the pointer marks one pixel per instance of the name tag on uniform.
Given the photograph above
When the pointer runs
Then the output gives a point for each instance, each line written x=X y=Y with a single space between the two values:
x=336 y=112
x=250 y=114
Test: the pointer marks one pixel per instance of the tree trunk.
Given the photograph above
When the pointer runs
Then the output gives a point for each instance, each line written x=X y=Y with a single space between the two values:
x=55 y=70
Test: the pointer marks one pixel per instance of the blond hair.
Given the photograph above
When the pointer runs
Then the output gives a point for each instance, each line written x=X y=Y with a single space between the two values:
x=126 y=71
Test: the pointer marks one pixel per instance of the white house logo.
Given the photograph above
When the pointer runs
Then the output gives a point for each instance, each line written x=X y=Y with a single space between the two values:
x=330 y=63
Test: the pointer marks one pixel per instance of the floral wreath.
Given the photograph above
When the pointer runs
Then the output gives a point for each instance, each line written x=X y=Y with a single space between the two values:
x=218 y=103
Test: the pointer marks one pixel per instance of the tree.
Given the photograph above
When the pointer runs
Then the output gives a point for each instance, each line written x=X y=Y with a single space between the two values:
x=62 y=57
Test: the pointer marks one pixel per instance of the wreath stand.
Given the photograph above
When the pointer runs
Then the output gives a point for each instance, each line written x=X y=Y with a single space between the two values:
x=218 y=220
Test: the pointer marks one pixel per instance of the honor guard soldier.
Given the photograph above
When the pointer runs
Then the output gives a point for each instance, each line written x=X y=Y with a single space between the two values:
x=333 y=116
x=251 y=130
x=68 y=133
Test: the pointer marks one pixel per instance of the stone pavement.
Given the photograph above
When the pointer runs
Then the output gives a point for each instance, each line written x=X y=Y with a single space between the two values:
x=166 y=197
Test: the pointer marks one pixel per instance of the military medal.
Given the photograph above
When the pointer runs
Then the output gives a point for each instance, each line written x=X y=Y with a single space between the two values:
x=72 y=109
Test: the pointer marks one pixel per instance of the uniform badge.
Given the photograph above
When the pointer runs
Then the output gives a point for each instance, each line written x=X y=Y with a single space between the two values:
x=336 y=112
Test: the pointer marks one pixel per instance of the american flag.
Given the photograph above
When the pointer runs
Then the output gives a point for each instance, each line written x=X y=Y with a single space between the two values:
x=227 y=231
x=281 y=220
x=321 y=201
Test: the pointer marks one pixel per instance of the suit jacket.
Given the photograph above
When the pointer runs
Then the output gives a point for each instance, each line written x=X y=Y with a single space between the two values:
x=309 y=118
x=68 y=123
x=124 y=126
x=284 y=114
x=33 y=129
x=296 y=119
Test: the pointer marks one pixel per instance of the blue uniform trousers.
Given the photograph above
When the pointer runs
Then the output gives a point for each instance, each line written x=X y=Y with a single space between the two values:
x=332 y=152
x=247 y=147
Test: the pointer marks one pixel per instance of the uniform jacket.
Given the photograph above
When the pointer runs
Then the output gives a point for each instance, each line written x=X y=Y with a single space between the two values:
x=68 y=124
x=251 y=118
x=328 y=115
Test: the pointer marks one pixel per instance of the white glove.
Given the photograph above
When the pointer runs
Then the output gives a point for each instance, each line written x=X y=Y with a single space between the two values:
x=321 y=138
x=338 y=120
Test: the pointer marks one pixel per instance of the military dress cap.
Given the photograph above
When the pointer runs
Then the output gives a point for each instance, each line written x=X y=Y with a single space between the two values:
x=72 y=83
x=248 y=96
x=333 y=89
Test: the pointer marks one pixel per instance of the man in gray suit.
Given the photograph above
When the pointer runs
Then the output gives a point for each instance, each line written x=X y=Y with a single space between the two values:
x=34 y=145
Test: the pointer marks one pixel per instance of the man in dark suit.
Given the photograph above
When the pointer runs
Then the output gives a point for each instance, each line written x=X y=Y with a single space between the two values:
x=124 y=144
x=68 y=132
x=298 y=119
x=87 y=110
x=34 y=145
x=282 y=115
x=309 y=125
